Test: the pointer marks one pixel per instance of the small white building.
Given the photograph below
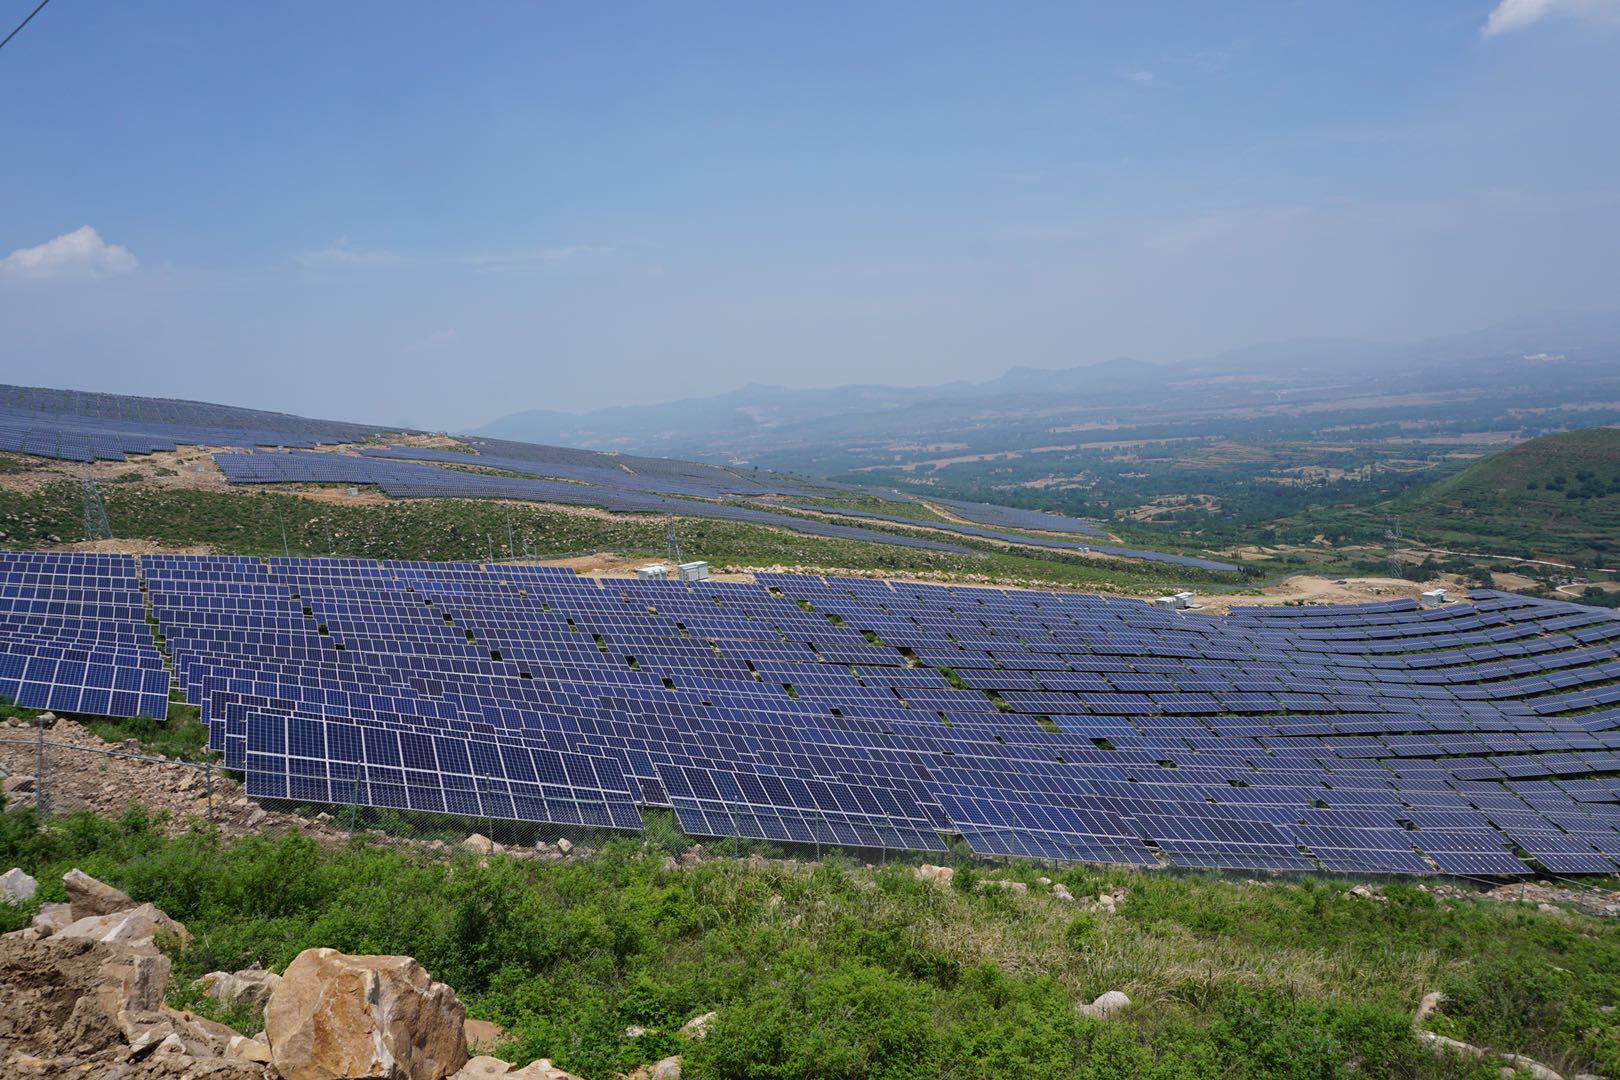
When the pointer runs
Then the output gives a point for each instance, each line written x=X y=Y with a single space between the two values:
x=1432 y=597
x=652 y=571
x=693 y=571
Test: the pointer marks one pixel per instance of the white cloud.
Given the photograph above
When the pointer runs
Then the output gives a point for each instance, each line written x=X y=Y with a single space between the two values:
x=81 y=255
x=497 y=263
x=1511 y=15
x=341 y=253
x=437 y=339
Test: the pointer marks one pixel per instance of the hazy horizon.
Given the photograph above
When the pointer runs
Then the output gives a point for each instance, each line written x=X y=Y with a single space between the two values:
x=371 y=212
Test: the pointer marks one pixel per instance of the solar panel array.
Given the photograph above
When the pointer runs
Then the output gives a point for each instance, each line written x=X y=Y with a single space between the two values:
x=1188 y=561
x=414 y=480
x=75 y=425
x=80 y=426
x=406 y=473
x=74 y=636
x=1479 y=738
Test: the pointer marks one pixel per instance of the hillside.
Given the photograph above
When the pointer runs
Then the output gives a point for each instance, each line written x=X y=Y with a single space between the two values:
x=835 y=969
x=1554 y=497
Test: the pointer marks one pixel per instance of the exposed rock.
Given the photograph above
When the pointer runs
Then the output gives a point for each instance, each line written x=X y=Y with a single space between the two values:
x=251 y=987
x=667 y=1069
x=1441 y=1044
x=137 y=927
x=564 y=846
x=479 y=844
x=52 y=917
x=939 y=875
x=1428 y=1007
x=1043 y=880
x=16 y=887
x=87 y=896
x=150 y=1031
x=1364 y=892
x=699 y=1026
x=1016 y=887
x=488 y=1068
x=1106 y=1005
x=481 y=1034
x=335 y=1015
x=541 y=1070
x=1062 y=893
x=243 y=1048
x=634 y=1032
x=65 y=995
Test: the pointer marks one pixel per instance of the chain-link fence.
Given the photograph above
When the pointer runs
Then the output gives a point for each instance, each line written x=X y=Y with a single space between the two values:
x=58 y=778
x=60 y=771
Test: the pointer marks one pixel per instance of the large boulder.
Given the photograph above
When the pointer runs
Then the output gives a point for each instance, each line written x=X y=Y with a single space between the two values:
x=488 y=1068
x=16 y=887
x=1106 y=1005
x=76 y=1006
x=87 y=896
x=482 y=1034
x=251 y=986
x=336 y=1016
x=65 y=995
x=138 y=927
x=667 y=1069
x=52 y=917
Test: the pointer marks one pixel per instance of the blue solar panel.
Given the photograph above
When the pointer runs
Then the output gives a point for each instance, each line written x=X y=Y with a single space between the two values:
x=1079 y=727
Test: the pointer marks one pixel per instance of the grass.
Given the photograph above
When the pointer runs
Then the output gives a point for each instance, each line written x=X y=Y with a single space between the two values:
x=266 y=523
x=1555 y=497
x=831 y=969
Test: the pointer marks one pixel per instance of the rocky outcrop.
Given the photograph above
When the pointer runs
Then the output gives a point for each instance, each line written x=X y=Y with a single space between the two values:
x=699 y=1026
x=78 y=1006
x=938 y=875
x=335 y=1016
x=488 y=1068
x=481 y=1034
x=16 y=887
x=138 y=927
x=251 y=987
x=667 y=1069
x=87 y=896
x=1514 y=1063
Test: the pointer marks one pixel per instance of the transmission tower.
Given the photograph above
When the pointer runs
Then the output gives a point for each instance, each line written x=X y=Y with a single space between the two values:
x=670 y=542
x=96 y=525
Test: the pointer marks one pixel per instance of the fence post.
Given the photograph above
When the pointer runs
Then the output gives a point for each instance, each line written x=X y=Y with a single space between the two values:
x=39 y=765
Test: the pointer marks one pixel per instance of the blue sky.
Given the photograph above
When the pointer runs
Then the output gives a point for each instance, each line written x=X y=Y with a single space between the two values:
x=438 y=214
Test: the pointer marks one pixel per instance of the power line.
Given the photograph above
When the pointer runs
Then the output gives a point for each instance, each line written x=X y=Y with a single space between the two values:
x=24 y=23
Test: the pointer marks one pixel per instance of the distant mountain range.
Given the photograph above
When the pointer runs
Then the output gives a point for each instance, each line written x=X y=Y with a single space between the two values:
x=732 y=423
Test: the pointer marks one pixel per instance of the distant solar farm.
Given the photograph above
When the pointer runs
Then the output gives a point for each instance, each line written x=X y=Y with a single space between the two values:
x=1479 y=738
x=76 y=426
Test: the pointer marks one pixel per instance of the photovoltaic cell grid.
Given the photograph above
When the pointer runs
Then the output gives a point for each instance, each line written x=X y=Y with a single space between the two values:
x=1479 y=738
x=75 y=425
x=80 y=426
x=74 y=637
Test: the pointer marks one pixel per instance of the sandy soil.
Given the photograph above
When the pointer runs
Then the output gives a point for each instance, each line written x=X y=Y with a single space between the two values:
x=118 y=546
x=1311 y=589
